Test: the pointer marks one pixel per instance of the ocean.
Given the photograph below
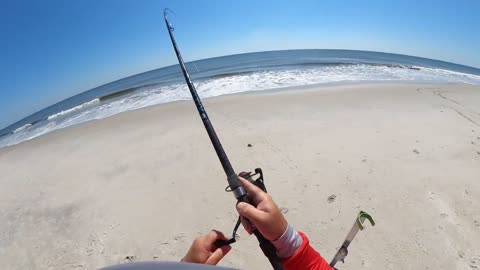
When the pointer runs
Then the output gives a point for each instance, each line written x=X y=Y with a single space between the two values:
x=233 y=74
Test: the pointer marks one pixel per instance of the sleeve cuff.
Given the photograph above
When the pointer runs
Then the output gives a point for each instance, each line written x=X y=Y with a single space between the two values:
x=288 y=243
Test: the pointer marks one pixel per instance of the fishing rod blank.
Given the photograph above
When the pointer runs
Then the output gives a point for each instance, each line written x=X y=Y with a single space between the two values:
x=233 y=181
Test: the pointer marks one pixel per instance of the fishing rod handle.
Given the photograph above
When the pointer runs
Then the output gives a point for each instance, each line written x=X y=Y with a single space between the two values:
x=268 y=250
x=267 y=247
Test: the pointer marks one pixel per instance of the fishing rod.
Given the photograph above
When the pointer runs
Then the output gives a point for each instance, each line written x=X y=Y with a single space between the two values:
x=233 y=180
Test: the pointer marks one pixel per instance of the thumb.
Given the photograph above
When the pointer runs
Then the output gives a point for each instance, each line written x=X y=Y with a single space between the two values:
x=251 y=213
x=218 y=254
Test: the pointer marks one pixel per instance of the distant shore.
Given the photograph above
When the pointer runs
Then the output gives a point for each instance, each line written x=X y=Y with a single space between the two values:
x=141 y=185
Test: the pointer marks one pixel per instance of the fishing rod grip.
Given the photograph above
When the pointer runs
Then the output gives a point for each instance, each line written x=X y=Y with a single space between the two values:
x=268 y=250
x=267 y=247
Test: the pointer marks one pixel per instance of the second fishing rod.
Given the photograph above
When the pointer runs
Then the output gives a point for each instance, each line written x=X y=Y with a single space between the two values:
x=232 y=178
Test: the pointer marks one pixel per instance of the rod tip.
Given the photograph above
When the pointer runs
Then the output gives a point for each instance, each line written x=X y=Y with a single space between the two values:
x=165 y=11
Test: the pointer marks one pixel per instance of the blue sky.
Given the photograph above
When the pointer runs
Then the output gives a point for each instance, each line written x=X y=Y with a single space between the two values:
x=51 y=50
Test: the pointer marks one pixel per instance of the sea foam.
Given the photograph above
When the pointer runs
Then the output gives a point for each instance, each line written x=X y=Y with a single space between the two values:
x=229 y=83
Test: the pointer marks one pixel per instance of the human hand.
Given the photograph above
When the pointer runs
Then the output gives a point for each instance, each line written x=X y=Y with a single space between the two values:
x=266 y=216
x=204 y=251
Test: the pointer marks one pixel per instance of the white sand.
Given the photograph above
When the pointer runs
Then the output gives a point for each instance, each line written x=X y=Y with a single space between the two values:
x=146 y=183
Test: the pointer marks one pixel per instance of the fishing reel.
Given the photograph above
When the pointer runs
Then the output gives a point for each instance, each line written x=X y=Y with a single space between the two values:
x=254 y=178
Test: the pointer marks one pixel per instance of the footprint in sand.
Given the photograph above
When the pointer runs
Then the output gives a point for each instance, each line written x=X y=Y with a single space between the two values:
x=129 y=258
x=474 y=263
x=331 y=198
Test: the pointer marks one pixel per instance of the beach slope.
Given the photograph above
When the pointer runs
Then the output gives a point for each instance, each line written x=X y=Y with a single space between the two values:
x=142 y=185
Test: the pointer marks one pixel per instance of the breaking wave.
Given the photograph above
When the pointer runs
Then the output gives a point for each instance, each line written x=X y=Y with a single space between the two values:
x=22 y=128
x=79 y=107
x=234 y=81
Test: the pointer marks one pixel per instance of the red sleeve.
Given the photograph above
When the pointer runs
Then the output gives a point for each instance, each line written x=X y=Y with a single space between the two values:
x=306 y=258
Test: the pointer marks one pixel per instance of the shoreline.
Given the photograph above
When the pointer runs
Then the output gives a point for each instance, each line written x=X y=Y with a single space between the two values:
x=332 y=86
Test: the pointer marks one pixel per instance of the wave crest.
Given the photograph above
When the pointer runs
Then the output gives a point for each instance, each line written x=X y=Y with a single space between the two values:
x=22 y=128
x=83 y=105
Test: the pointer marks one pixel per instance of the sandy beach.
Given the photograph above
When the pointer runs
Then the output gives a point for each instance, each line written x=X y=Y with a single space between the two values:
x=141 y=185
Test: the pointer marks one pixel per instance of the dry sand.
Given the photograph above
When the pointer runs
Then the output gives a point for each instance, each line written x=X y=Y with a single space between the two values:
x=144 y=184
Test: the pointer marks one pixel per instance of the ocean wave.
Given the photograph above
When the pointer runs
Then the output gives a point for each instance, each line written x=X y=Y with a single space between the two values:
x=117 y=94
x=22 y=128
x=309 y=65
x=83 y=105
x=234 y=82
